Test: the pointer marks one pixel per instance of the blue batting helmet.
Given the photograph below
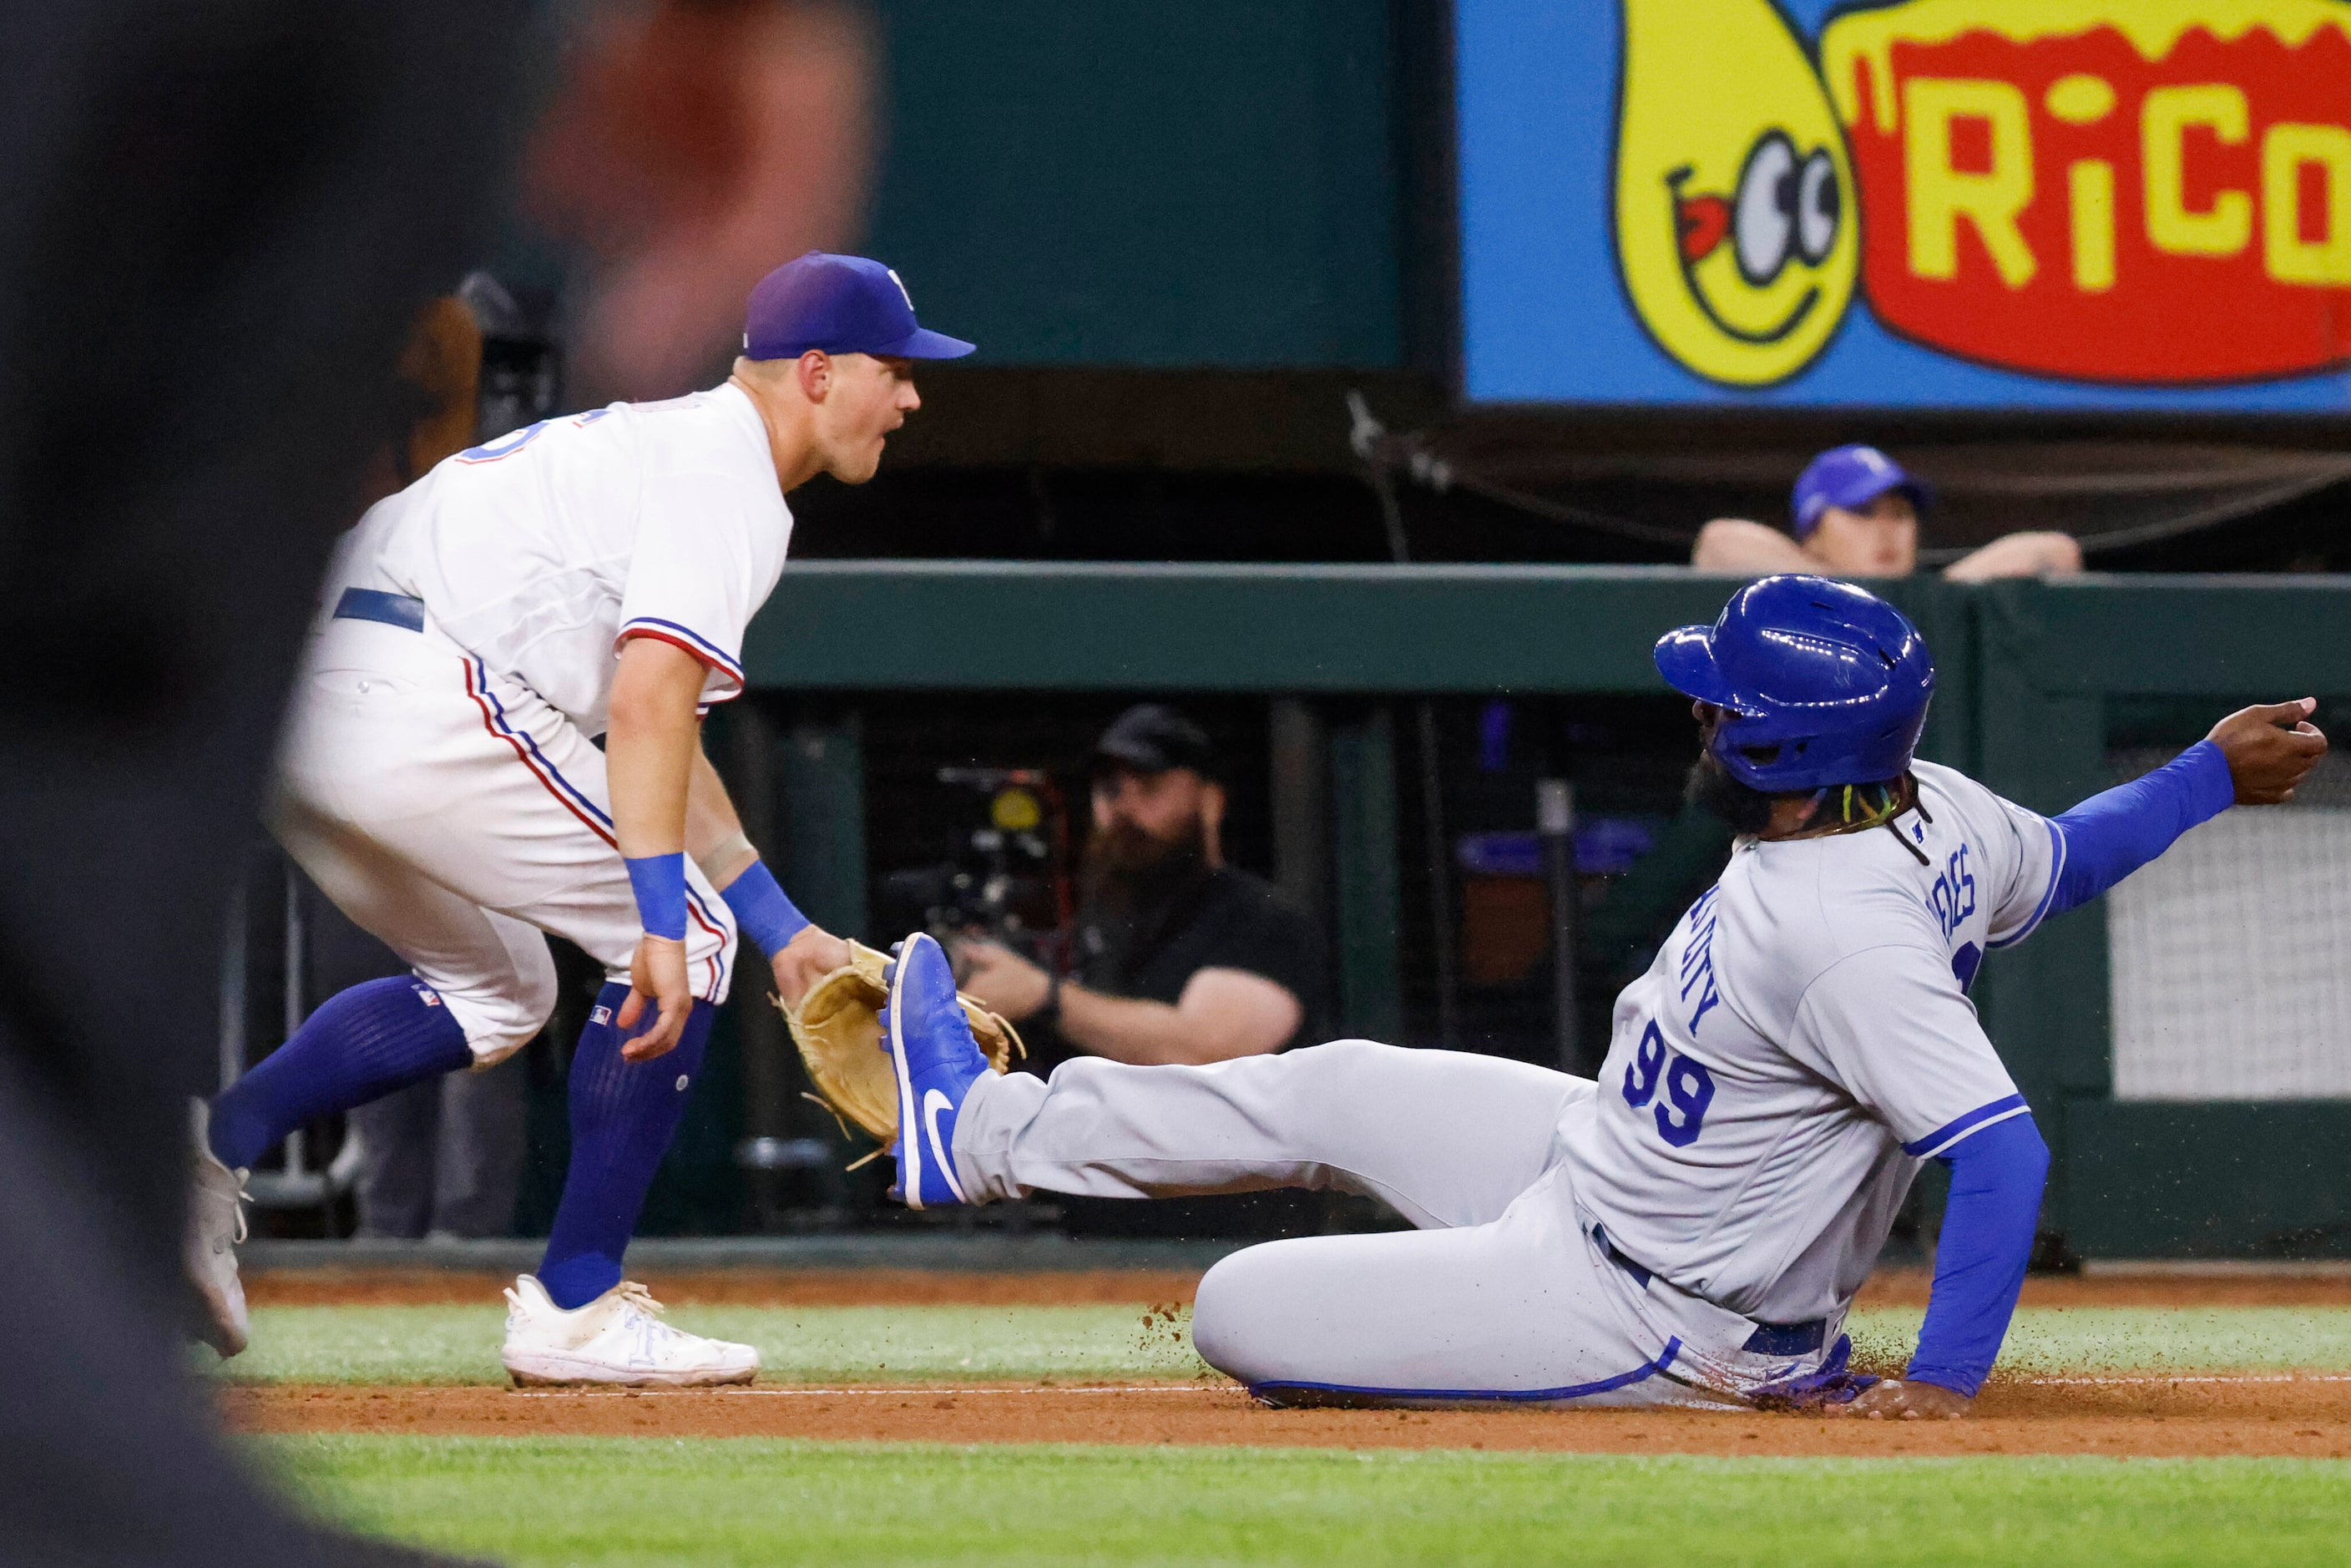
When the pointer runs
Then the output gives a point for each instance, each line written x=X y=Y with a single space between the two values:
x=1819 y=682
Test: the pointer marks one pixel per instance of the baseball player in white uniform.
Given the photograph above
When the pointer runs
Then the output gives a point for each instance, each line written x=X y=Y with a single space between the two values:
x=590 y=575
x=1691 y=1227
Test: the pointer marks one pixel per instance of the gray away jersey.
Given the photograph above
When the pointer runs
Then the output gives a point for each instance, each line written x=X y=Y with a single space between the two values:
x=1802 y=1042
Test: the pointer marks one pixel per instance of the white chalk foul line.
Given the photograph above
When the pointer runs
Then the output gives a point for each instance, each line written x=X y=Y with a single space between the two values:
x=934 y=1390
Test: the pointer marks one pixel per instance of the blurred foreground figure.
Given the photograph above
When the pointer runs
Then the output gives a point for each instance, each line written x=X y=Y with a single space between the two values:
x=214 y=222
x=695 y=144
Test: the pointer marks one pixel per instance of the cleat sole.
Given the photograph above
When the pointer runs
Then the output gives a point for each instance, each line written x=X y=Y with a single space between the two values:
x=558 y=1371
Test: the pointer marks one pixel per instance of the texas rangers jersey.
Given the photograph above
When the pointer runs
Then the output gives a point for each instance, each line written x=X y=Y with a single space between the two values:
x=538 y=551
x=1802 y=1042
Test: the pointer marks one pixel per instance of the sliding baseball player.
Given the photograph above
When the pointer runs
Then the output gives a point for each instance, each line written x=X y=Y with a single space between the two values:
x=1690 y=1227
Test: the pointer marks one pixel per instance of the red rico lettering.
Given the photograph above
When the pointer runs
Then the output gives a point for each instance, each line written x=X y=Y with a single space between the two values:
x=2150 y=192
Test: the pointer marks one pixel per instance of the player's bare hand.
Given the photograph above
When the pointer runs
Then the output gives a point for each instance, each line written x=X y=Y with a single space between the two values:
x=1898 y=1399
x=656 y=976
x=1000 y=978
x=806 y=958
x=2269 y=748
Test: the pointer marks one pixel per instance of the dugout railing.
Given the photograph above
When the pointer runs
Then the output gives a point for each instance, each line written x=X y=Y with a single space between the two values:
x=2044 y=691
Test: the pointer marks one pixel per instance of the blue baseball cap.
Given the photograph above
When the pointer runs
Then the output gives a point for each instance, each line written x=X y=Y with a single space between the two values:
x=1852 y=477
x=842 y=305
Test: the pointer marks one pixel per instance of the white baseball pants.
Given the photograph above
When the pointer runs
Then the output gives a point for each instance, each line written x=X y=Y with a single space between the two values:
x=1502 y=1294
x=455 y=815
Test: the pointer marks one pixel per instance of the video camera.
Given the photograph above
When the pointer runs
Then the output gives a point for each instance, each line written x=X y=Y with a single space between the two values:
x=1008 y=875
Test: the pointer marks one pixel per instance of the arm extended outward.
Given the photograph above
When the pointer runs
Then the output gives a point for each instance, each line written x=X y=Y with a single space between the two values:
x=2250 y=759
x=2254 y=757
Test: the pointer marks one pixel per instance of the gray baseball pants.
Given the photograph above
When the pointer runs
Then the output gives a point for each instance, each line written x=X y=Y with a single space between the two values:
x=1501 y=1294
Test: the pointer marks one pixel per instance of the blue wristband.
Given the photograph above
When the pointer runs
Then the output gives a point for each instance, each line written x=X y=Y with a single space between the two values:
x=660 y=884
x=766 y=916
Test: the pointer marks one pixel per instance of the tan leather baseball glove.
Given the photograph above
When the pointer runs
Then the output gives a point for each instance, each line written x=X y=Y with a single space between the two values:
x=838 y=1027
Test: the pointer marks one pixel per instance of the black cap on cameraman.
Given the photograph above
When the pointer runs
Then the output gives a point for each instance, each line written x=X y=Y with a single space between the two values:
x=1151 y=737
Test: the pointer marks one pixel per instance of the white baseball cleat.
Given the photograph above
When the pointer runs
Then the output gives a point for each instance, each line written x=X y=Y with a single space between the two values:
x=616 y=1341
x=215 y=1225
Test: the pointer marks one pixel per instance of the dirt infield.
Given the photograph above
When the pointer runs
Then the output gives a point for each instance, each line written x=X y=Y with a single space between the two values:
x=922 y=1286
x=2301 y=1417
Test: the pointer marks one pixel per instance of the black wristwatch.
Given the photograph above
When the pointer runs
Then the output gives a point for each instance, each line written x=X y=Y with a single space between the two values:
x=1050 y=1011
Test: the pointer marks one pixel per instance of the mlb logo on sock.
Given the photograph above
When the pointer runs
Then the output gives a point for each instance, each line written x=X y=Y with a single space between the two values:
x=427 y=995
x=600 y=1015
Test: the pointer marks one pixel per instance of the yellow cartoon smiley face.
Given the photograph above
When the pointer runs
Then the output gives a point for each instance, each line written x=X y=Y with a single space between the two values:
x=1735 y=226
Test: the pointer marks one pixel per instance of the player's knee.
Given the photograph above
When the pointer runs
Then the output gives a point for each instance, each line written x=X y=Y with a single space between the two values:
x=492 y=1048
x=504 y=1034
x=534 y=1000
x=1213 y=1319
x=1343 y=1052
x=498 y=1024
x=1350 y=1062
x=1230 y=1315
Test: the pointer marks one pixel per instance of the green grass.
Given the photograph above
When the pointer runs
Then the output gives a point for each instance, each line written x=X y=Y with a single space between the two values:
x=754 y=1501
x=2118 y=1339
x=742 y=1500
x=871 y=1345
x=798 y=1345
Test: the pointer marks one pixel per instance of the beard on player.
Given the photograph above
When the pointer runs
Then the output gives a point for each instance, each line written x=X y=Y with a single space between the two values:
x=1712 y=788
x=1748 y=810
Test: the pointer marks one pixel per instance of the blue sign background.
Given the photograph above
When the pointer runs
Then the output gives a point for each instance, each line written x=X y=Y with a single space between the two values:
x=1543 y=315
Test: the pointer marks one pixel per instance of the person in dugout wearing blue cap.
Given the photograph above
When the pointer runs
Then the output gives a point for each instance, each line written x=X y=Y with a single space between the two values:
x=1856 y=512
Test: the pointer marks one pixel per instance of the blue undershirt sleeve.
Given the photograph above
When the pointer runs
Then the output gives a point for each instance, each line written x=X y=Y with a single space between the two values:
x=1988 y=1229
x=2112 y=834
x=762 y=910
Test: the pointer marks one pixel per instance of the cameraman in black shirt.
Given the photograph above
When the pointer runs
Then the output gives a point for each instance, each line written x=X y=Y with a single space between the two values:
x=1179 y=958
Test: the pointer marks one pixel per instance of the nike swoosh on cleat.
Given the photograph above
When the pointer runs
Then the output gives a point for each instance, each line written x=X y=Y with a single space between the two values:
x=932 y=1104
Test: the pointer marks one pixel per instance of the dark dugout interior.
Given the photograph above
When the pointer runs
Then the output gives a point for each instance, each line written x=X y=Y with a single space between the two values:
x=1137 y=464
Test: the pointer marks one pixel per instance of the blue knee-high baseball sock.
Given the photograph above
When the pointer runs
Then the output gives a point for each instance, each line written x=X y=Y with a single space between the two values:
x=361 y=1045
x=623 y=1114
